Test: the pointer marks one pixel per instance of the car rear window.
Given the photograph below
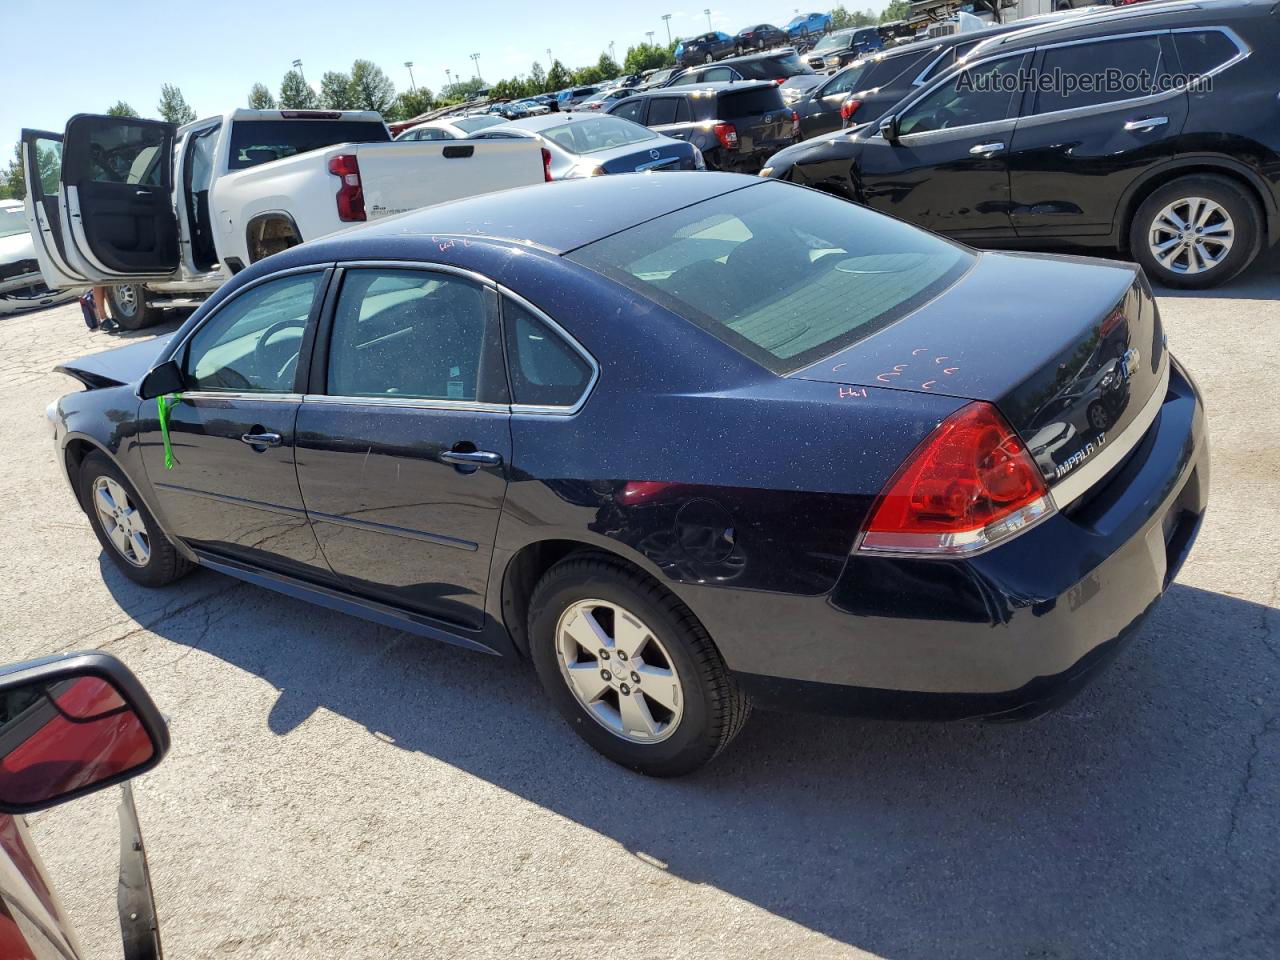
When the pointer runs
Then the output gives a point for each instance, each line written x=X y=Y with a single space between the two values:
x=472 y=124
x=750 y=103
x=261 y=141
x=596 y=134
x=771 y=68
x=785 y=276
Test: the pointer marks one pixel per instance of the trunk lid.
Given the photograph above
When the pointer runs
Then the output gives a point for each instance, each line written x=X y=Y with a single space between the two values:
x=670 y=155
x=113 y=368
x=1070 y=350
x=762 y=120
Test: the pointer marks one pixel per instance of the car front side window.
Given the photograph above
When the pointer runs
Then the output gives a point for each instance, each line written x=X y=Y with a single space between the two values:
x=252 y=344
x=982 y=94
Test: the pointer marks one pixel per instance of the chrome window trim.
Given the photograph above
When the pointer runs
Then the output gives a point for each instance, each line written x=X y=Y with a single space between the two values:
x=240 y=395
x=1243 y=50
x=923 y=76
x=973 y=129
x=1079 y=481
x=1114 y=16
x=534 y=409
x=426 y=265
x=407 y=403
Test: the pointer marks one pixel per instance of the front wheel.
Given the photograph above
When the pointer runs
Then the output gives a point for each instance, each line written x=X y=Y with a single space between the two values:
x=631 y=669
x=1196 y=232
x=129 y=306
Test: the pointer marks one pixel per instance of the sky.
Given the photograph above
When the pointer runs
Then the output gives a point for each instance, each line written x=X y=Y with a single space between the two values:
x=109 y=50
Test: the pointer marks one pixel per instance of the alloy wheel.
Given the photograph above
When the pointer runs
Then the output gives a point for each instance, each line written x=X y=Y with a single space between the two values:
x=619 y=671
x=126 y=299
x=122 y=521
x=1191 y=235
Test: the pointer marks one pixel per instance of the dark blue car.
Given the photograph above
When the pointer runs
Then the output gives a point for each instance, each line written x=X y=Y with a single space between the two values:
x=686 y=441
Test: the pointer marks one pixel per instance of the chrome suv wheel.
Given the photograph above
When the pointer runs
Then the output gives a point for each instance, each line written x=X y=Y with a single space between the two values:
x=123 y=523
x=1191 y=235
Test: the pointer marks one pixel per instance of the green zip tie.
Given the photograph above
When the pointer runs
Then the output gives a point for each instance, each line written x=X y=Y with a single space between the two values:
x=163 y=403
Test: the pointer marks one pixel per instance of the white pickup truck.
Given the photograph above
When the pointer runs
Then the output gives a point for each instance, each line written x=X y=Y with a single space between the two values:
x=162 y=214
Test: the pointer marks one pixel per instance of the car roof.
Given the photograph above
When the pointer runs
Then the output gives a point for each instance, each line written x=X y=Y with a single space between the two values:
x=763 y=55
x=549 y=120
x=709 y=86
x=556 y=217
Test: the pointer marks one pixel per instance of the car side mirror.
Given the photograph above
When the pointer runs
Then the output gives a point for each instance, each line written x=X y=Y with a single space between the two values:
x=889 y=128
x=71 y=725
x=160 y=380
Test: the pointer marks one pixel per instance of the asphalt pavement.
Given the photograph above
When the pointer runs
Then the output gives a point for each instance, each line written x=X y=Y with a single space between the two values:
x=338 y=789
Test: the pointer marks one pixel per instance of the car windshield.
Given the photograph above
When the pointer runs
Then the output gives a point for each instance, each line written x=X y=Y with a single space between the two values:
x=784 y=276
x=596 y=134
x=12 y=221
x=771 y=68
x=832 y=41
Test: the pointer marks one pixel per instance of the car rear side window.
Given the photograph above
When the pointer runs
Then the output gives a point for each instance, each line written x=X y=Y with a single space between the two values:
x=544 y=370
x=1202 y=51
x=663 y=110
x=409 y=333
x=261 y=141
x=784 y=275
x=1093 y=74
x=632 y=110
x=751 y=103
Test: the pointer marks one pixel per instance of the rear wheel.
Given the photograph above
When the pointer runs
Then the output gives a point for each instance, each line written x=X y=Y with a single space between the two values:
x=631 y=669
x=125 y=527
x=129 y=306
x=1196 y=232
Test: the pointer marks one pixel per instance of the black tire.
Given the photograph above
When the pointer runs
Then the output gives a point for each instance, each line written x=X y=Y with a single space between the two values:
x=714 y=709
x=1239 y=205
x=129 y=307
x=165 y=564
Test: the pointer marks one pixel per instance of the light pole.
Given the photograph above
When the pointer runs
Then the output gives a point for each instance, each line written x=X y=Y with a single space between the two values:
x=448 y=76
x=708 y=13
x=666 y=18
x=550 y=62
x=611 y=56
x=297 y=65
x=413 y=86
x=649 y=34
x=475 y=58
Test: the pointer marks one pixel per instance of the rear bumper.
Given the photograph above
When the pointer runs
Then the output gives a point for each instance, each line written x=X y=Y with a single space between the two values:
x=1013 y=632
x=750 y=162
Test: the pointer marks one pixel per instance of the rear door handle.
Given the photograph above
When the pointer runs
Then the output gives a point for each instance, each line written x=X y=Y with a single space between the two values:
x=262 y=439
x=986 y=149
x=1146 y=123
x=477 y=458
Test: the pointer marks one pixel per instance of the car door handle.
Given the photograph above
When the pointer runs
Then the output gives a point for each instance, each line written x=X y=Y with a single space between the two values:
x=986 y=149
x=262 y=439
x=1146 y=123
x=474 y=458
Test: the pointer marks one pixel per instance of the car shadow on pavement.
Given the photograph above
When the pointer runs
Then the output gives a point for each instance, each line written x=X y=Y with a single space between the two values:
x=1261 y=281
x=1133 y=822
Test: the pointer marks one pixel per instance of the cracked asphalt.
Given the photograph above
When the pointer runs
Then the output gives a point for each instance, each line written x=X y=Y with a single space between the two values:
x=339 y=789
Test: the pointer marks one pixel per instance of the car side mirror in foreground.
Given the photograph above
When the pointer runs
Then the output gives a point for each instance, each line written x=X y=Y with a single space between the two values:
x=161 y=380
x=71 y=725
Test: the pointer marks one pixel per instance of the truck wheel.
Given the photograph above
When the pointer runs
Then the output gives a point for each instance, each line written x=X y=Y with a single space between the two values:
x=631 y=669
x=129 y=307
x=1196 y=232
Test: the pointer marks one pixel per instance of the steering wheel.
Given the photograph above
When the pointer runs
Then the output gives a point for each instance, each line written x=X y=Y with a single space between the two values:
x=262 y=356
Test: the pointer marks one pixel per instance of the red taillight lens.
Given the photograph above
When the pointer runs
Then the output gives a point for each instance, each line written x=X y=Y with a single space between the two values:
x=795 y=124
x=727 y=134
x=849 y=108
x=546 y=164
x=780 y=80
x=350 y=193
x=971 y=483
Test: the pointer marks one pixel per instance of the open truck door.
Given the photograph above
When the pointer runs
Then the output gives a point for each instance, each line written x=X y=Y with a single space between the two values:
x=115 y=207
x=42 y=164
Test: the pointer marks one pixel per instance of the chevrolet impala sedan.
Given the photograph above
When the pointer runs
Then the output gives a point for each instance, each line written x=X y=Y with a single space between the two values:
x=687 y=442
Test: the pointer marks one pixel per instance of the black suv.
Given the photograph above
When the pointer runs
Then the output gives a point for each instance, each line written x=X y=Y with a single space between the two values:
x=783 y=67
x=707 y=47
x=1151 y=130
x=737 y=126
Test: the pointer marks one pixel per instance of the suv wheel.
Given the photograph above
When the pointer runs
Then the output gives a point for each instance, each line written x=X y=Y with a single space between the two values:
x=1196 y=232
x=125 y=527
x=631 y=669
x=129 y=306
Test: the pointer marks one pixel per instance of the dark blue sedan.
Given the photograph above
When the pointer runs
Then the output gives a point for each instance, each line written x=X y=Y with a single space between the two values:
x=687 y=442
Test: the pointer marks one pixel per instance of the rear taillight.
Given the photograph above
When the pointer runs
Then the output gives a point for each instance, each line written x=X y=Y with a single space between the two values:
x=546 y=165
x=795 y=124
x=727 y=134
x=779 y=80
x=849 y=108
x=350 y=193
x=969 y=485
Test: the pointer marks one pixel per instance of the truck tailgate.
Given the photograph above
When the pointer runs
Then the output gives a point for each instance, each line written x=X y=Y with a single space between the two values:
x=406 y=175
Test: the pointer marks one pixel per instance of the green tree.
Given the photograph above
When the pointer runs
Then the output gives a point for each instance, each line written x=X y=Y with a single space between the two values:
x=336 y=92
x=411 y=103
x=173 y=106
x=646 y=56
x=538 y=78
x=121 y=109
x=13 y=184
x=896 y=10
x=462 y=90
x=371 y=88
x=558 y=76
x=260 y=98
x=295 y=94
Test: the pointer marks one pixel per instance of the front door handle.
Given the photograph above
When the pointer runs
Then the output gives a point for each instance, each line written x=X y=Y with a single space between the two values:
x=1143 y=124
x=475 y=458
x=986 y=149
x=262 y=439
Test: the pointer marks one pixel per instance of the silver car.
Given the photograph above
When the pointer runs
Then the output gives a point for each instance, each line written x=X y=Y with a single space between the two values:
x=588 y=145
